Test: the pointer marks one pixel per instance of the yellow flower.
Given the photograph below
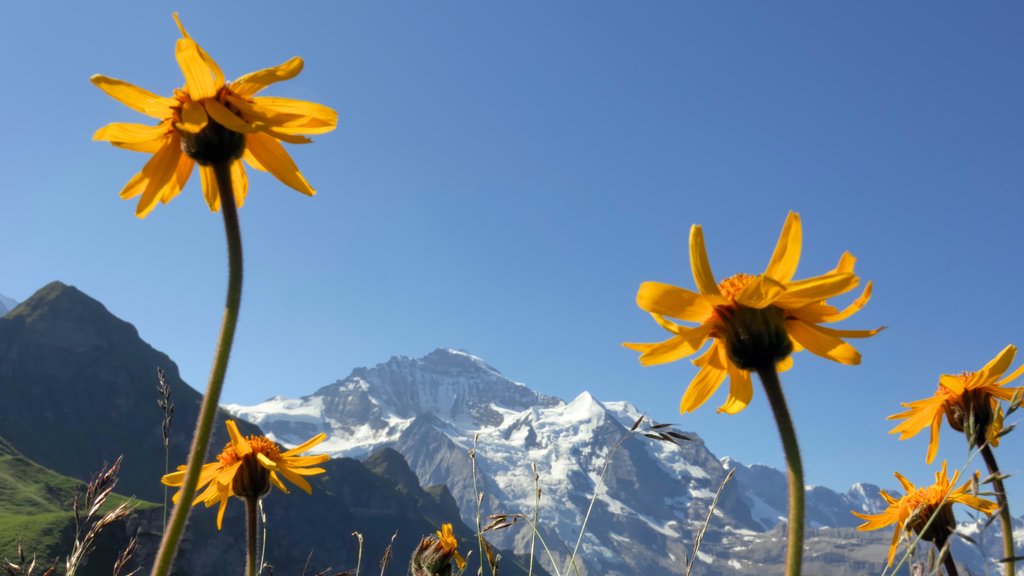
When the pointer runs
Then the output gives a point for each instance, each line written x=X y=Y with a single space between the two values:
x=970 y=401
x=913 y=511
x=247 y=467
x=207 y=111
x=751 y=320
x=450 y=545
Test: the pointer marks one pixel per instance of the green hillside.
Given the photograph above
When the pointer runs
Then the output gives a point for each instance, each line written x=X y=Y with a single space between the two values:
x=36 y=508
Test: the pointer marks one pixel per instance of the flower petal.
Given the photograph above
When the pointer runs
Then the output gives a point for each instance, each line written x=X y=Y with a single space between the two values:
x=253 y=82
x=300 y=116
x=211 y=192
x=134 y=97
x=306 y=445
x=702 y=387
x=699 y=264
x=202 y=75
x=181 y=176
x=741 y=390
x=273 y=156
x=193 y=118
x=814 y=339
x=760 y=292
x=227 y=118
x=784 y=260
x=297 y=480
x=673 y=301
x=995 y=367
x=158 y=174
x=242 y=446
x=684 y=344
x=125 y=132
x=816 y=289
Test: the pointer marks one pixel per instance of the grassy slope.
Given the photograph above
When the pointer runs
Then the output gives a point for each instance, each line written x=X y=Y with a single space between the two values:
x=36 y=507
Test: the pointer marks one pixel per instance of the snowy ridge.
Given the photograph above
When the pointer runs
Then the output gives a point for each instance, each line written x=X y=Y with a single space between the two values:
x=653 y=498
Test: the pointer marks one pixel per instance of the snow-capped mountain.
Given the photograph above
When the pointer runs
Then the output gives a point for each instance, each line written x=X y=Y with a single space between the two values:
x=654 y=497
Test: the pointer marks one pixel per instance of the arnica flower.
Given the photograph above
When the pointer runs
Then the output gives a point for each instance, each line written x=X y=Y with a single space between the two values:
x=247 y=467
x=433 y=557
x=209 y=121
x=970 y=402
x=914 y=511
x=752 y=321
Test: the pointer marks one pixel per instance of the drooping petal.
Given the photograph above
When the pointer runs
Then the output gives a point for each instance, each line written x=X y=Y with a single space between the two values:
x=702 y=387
x=128 y=133
x=253 y=82
x=159 y=176
x=294 y=478
x=301 y=461
x=276 y=481
x=825 y=345
x=134 y=97
x=684 y=344
x=673 y=301
x=784 y=260
x=273 y=156
x=762 y=291
x=211 y=192
x=193 y=118
x=741 y=390
x=699 y=264
x=240 y=182
x=933 y=440
x=181 y=176
x=252 y=161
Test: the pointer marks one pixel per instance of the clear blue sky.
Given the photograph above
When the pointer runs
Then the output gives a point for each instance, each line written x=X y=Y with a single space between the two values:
x=505 y=175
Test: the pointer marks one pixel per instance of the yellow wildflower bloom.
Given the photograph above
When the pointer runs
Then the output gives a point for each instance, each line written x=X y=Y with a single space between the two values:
x=750 y=319
x=913 y=511
x=450 y=545
x=209 y=108
x=970 y=401
x=247 y=467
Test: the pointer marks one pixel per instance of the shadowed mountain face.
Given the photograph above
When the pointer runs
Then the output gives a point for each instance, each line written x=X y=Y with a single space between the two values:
x=79 y=389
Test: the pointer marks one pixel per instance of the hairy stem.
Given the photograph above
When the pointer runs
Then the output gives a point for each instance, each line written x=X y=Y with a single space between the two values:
x=795 y=541
x=1004 y=509
x=204 y=425
x=251 y=530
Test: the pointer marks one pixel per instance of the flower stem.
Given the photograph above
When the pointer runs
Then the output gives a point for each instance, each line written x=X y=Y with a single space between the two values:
x=947 y=556
x=204 y=425
x=1004 y=508
x=795 y=543
x=251 y=531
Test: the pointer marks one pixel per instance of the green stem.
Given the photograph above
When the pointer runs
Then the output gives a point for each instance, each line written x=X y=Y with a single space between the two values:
x=795 y=543
x=204 y=425
x=252 y=528
x=947 y=556
x=1004 y=508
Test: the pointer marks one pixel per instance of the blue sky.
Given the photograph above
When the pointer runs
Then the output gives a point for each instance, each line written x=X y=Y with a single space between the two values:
x=505 y=175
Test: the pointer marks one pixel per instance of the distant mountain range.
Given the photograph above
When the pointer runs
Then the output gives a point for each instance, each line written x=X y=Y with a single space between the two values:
x=78 y=388
x=654 y=498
